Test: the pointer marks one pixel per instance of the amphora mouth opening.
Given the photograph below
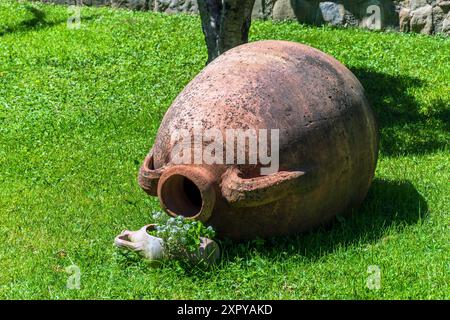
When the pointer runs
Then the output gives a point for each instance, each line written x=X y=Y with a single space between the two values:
x=187 y=191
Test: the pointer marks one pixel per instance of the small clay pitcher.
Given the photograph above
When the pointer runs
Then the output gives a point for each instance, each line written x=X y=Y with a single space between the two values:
x=152 y=248
x=140 y=241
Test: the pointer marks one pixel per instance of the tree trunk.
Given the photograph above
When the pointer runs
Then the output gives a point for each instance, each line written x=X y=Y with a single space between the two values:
x=225 y=23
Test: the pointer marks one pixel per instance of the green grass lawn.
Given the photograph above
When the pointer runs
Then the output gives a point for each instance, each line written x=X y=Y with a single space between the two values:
x=79 y=110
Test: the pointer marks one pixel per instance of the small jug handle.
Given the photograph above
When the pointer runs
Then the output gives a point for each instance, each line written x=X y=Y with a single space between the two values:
x=148 y=176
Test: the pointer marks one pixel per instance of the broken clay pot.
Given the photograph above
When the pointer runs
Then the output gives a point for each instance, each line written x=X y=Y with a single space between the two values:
x=328 y=142
x=141 y=242
x=152 y=248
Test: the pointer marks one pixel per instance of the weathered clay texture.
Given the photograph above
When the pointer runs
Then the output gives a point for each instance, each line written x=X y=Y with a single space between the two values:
x=328 y=142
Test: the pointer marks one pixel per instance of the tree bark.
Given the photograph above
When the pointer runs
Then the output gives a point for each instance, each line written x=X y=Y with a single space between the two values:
x=225 y=24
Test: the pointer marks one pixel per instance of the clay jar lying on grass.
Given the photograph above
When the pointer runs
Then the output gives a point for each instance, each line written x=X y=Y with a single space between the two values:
x=327 y=146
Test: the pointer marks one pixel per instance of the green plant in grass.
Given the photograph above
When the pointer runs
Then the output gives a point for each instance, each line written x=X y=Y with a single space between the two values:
x=181 y=236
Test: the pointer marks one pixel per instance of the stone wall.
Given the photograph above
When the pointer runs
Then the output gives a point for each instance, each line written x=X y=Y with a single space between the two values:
x=425 y=16
x=422 y=16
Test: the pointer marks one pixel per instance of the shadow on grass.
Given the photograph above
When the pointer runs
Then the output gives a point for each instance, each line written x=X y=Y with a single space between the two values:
x=403 y=128
x=388 y=204
x=37 y=21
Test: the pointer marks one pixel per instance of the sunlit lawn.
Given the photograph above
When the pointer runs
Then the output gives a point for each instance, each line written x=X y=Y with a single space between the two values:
x=79 y=110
